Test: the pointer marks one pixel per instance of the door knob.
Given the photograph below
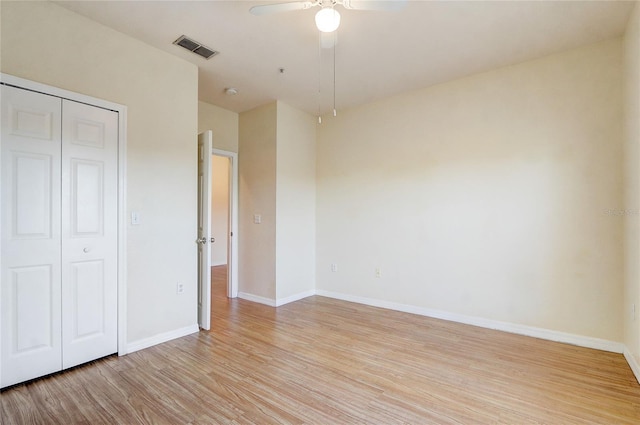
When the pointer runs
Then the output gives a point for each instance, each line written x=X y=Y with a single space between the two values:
x=201 y=240
x=87 y=249
x=213 y=240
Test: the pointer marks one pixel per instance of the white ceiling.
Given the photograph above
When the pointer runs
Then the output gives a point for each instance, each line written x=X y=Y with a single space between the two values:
x=378 y=53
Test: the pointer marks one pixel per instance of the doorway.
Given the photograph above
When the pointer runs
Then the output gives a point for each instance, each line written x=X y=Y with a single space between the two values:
x=220 y=191
x=224 y=219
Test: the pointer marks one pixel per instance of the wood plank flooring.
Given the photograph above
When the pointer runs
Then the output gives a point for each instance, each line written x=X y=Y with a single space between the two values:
x=323 y=361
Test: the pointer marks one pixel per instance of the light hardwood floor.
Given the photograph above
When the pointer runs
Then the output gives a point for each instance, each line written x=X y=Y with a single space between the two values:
x=323 y=361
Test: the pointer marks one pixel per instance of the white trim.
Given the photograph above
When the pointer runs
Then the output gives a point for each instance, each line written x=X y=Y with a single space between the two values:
x=55 y=91
x=294 y=297
x=568 y=338
x=232 y=255
x=122 y=184
x=277 y=302
x=257 y=299
x=160 y=338
x=633 y=363
x=122 y=231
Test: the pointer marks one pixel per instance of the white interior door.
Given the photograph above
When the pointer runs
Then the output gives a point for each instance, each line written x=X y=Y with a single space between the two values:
x=30 y=287
x=205 y=146
x=89 y=232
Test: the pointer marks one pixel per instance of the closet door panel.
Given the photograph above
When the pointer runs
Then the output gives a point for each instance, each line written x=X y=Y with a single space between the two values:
x=88 y=198
x=30 y=234
x=89 y=229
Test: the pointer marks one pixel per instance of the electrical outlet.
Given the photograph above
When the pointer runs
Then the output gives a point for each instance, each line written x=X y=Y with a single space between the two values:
x=334 y=267
x=179 y=288
x=378 y=272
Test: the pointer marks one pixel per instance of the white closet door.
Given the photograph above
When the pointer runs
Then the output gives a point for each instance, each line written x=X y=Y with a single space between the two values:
x=30 y=287
x=89 y=232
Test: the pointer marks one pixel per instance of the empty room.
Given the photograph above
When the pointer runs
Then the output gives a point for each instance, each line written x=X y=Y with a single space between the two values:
x=320 y=212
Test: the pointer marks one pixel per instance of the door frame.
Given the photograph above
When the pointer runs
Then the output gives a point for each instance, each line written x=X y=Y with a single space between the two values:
x=232 y=238
x=22 y=83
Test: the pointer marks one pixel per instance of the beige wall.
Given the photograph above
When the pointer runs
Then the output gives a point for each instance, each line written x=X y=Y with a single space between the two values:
x=295 y=202
x=489 y=196
x=632 y=185
x=222 y=122
x=277 y=181
x=257 y=175
x=46 y=43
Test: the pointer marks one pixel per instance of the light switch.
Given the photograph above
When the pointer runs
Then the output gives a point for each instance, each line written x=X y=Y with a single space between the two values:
x=257 y=219
x=135 y=218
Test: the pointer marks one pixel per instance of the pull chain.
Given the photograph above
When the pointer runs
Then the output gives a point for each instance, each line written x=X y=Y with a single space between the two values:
x=335 y=43
x=319 y=74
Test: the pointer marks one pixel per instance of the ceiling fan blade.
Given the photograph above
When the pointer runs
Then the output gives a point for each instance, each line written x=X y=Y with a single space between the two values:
x=382 y=5
x=268 y=9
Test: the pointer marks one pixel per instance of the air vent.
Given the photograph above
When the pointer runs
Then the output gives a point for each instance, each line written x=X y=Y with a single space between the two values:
x=195 y=47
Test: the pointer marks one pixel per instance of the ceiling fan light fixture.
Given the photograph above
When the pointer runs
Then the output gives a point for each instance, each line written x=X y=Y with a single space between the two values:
x=327 y=19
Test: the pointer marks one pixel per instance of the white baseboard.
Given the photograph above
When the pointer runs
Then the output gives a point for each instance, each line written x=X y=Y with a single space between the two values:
x=277 y=302
x=568 y=338
x=295 y=297
x=160 y=338
x=633 y=363
x=257 y=299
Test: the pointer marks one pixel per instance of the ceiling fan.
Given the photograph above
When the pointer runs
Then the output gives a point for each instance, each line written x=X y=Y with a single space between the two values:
x=328 y=19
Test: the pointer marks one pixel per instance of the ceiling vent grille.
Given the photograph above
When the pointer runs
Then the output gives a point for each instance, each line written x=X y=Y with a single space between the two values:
x=195 y=47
